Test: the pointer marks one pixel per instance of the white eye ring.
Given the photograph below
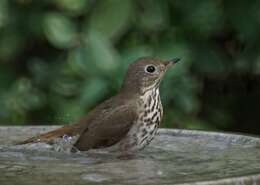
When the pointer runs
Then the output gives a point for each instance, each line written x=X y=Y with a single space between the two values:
x=150 y=69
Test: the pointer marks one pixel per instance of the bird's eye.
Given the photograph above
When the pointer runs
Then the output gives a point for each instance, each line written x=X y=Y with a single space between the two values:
x=150 y=69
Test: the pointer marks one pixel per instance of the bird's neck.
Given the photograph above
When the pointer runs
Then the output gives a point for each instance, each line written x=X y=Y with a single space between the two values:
x=131 y=88
x=137 y=89
x=150 y=94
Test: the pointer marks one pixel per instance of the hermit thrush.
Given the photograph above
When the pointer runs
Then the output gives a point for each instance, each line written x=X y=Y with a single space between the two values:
x=127 y=121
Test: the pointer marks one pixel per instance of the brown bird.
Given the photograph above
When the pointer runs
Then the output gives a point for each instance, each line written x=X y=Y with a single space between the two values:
x=127 y=121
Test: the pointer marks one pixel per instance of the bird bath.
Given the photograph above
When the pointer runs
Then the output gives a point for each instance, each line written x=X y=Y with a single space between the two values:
x=174 y=157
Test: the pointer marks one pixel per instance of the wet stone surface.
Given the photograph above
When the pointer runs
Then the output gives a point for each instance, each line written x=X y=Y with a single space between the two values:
x=174 y=157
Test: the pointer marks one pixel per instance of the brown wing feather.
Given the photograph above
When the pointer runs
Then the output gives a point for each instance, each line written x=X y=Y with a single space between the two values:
x=71 y=130
x=107 y=128
x=104 y=126
x=45 y=137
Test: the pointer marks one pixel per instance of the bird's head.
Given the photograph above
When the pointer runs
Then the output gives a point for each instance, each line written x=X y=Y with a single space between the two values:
x=146 y=73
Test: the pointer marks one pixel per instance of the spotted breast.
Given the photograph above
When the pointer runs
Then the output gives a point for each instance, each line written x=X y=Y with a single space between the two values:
x=147 y=123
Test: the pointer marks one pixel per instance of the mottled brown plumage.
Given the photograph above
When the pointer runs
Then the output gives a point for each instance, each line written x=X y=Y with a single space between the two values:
x=127 y=121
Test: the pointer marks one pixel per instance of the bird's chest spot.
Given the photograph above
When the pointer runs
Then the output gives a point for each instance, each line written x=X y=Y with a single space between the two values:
x=149 y=118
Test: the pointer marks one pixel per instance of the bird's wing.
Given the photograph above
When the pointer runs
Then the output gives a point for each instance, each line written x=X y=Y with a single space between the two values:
x=73 y=129
x=48 y=136
x=109 y=126
x=104 y=126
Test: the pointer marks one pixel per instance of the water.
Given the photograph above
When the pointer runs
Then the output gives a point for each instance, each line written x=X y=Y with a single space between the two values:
x=175 y=157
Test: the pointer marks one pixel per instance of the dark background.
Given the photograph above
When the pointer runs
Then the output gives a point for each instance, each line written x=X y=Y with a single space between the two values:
x=59 y=58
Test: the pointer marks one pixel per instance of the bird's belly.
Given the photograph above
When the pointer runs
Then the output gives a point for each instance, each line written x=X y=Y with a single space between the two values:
x=145 y=134
x=145 y=127
x=142 y=132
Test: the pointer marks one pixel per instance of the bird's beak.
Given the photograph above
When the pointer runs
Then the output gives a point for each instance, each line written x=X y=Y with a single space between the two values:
x=171 y=62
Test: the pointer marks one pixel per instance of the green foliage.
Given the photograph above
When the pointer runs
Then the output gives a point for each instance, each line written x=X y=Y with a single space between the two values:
x=59 y=30
x=59 y=58
x=107 y=20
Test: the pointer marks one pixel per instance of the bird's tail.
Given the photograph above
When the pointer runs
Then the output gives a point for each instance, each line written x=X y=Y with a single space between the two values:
x=48 y=136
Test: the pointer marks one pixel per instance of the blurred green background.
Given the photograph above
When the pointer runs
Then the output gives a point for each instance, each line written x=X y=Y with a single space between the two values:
x=60 y=58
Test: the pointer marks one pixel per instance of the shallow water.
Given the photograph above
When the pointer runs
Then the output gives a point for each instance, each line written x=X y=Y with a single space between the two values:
x=175 y=157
